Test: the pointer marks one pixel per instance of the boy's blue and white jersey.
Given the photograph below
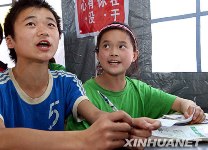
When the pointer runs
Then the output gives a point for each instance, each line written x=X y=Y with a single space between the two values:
x=48 y=112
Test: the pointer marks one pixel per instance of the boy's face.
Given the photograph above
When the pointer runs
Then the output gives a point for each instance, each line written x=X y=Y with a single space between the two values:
x=116 y=52
x=36 y=35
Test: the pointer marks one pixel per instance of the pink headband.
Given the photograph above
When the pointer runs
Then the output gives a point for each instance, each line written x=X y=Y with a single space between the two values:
x=119 y=26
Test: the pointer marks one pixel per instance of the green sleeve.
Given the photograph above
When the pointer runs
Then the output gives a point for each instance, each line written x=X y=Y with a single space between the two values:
x=157 y=102
x=72 y=124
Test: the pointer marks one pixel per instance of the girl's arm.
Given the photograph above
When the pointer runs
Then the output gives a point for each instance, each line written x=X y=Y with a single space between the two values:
x=187 y=107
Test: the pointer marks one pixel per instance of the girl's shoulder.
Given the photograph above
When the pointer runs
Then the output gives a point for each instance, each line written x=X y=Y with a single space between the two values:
x=138 y=85
x=136 y=81
x=90 y=81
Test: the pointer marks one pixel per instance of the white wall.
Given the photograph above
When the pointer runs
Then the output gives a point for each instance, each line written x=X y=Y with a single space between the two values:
x=4 y=53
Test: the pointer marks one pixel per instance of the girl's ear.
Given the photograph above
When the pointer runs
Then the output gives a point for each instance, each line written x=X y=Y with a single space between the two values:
x=9 y=41
x=96 y=54
x=135 y=55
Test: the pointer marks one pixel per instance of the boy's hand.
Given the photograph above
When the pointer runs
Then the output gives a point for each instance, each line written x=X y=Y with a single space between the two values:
x=108 y=132
x=143 y=126
x=142 y=129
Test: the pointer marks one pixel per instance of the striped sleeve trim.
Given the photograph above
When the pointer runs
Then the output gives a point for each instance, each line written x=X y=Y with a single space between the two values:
x=78 y=82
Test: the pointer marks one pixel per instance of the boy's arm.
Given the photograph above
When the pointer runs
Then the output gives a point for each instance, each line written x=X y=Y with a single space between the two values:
x=105 y=133
x=140 y=127
x=88 y=111
x=91 y=113
x=2 y=124
x=187 y=107
x=24 y=139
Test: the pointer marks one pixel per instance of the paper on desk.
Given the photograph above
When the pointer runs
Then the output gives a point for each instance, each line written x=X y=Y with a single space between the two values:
x=188 y=132
x=170 y=120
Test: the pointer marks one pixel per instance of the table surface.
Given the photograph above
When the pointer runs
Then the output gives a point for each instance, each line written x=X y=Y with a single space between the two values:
x=201 y=146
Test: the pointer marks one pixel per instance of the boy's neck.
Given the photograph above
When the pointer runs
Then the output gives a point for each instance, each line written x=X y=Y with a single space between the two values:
x=112 y=83
x=32 y=81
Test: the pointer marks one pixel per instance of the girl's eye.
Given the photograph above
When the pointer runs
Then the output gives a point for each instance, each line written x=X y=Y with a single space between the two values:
x=106 y=46
x=52 y=25
x=122 y=46
x=30 y=24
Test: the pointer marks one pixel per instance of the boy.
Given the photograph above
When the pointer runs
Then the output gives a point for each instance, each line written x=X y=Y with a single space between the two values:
x=32 y=97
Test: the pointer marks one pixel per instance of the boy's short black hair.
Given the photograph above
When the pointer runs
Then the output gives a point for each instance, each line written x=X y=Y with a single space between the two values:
x=1 y=34
x=16 y=9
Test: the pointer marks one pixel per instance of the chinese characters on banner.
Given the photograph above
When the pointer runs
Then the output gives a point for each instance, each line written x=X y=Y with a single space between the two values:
x=93 y=15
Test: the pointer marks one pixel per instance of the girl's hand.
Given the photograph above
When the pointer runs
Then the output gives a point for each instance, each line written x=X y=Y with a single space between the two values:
x=187 y=107
x=198 y=115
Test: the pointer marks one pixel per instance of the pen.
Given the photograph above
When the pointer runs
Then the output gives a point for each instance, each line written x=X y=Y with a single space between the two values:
x=108 y=101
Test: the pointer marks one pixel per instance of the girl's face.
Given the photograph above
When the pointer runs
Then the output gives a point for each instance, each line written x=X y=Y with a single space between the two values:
x=116 y=52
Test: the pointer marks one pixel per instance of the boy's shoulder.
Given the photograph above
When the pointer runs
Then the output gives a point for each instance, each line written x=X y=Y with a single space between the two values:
x=63 y=75
x=4 y=76
x=56 y=73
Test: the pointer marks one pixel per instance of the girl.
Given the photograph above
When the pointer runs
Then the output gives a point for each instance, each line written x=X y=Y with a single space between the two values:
x=116 y=50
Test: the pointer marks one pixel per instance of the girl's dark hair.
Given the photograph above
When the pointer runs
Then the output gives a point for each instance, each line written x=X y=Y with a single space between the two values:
x=125 y=28
x=16 y=9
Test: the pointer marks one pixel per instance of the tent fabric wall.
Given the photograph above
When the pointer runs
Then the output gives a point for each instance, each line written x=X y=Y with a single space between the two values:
x=192 y=86
x=79 y=53
x=80 y=56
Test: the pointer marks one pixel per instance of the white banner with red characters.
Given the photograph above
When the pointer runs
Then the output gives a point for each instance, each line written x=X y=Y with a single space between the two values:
x=93 y=15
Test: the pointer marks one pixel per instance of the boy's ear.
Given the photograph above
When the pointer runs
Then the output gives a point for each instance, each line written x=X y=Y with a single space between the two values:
x=9 y=41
